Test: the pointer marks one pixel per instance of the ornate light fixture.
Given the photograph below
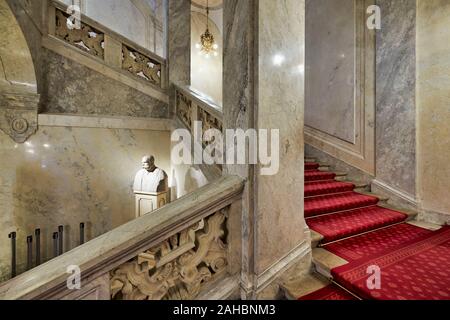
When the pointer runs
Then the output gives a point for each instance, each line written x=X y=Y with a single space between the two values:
x=207 y=45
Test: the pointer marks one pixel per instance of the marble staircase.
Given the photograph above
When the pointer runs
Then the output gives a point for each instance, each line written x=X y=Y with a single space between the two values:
x=323 y=260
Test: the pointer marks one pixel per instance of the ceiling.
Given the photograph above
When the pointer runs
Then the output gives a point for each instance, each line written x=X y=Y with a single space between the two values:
x=213 y=4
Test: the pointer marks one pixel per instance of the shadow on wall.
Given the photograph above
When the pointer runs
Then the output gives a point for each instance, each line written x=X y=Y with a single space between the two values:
x=186 y=179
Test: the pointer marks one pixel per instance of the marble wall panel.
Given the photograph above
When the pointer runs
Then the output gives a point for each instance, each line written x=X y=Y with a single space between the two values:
x=141 y=21
x=70 y=87
x=179 y=41
x=280 y=105
x=330 y=67
x=238 y=111
x=16 y=63
x=395 y=98
x=66 y=176
x=433 y=101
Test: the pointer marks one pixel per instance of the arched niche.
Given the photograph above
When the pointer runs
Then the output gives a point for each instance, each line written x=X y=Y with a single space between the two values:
x=18 y=87
x=206 y=73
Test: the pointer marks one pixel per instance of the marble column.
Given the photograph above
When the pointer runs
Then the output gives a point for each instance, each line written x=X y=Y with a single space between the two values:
x=433 y=112
x=179 y=41
x=238 y=109
x=264 y=89
x=395 y=98
x=178 y=45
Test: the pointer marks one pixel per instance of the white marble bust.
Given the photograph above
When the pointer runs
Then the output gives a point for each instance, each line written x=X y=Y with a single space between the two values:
x=150 y=178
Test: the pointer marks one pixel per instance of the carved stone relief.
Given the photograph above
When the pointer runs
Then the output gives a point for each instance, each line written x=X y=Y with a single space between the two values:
x=86 y=38
x=209 y=121
x=184 y=109
x=18 y=115
x=141 y=65
x=177 y=268
x=18 y=86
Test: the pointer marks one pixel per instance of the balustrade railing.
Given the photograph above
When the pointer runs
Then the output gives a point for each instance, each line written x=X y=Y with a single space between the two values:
x=107 y=46
x=178 y=252
x=191 y=106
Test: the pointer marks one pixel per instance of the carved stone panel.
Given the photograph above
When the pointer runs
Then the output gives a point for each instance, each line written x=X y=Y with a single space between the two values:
x=184 y=109
x=209 y=121
x=141 y=65
x=177 y=268
x=86 y=38
x=18 y=115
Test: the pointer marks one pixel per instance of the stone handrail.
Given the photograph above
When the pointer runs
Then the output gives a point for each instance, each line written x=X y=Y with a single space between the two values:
x=173 y=253
x=192 y=106
x=101 y=43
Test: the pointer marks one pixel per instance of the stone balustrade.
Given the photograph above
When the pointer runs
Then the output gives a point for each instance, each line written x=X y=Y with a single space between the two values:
x=180 y=251
x=106 y=46
x=191 y=106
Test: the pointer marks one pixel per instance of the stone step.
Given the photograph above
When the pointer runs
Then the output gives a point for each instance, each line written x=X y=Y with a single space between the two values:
x=412 y=214
x=383 y=199
x=324 y=261
x=424 y=225
x=341 y=176
x=301 y=287
x=315 y=238
x=308 y=159
x=361 y=186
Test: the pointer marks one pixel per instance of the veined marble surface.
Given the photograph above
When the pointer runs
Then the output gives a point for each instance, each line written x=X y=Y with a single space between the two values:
x=238 y=108
x=433 y=104
x=70 y=87
x=281 y=80
x=396 y=82
x=67 y=176
x=179 y=40
x=330 y=67
x=16 y=67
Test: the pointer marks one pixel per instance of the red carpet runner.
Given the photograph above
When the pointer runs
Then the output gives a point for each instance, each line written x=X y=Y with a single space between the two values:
x=317 y=188
x=316 y=175
x=337 y=202
x=373 y=243
x=345 y=224
x=418 y=270
x=331 y=292
x=336 y=212
x=311 y=166
x=414 y=262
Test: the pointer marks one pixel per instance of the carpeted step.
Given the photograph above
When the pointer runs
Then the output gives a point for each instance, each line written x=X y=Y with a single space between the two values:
x=377 y=241
x=316 y=175
x=348 y=223
x=330 y=292
x=337 y=202
x=311 y=166
x=417 y=270
x=318 y=188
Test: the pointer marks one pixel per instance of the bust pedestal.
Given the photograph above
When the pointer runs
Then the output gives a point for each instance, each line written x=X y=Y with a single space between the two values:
x=146 y=202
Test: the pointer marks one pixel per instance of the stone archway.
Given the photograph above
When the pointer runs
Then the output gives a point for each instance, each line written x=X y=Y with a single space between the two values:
x=18 y=87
